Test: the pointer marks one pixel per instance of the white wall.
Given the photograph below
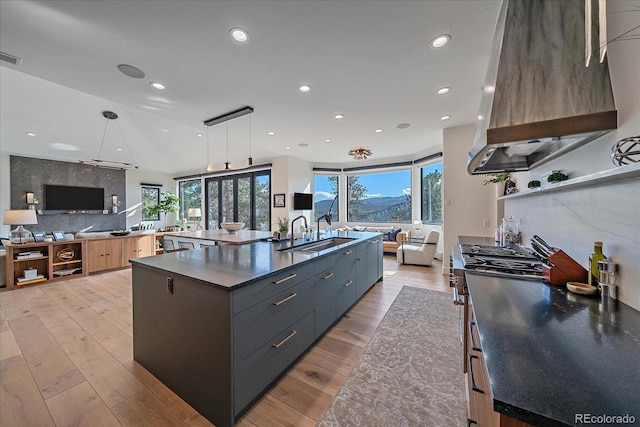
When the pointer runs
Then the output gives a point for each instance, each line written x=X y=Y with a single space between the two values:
x=572 y=220
x=134 y=179
x=468 y=204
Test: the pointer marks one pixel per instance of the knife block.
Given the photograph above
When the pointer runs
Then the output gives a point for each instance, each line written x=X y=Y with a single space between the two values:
x=565 y=269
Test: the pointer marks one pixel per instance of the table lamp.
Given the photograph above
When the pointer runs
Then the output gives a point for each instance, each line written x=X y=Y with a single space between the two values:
x=19 y=217
x=195 y=213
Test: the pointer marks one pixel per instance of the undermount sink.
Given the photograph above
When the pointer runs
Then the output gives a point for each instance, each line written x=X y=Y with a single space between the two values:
x=319 y=245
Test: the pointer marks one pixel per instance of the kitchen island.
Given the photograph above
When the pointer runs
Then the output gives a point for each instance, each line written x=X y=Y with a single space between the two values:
x=547 y=357
x=220 y=325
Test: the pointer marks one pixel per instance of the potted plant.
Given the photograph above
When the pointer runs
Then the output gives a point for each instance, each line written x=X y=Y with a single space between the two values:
x=283 y=228
x=497 y=178
x=169 y=203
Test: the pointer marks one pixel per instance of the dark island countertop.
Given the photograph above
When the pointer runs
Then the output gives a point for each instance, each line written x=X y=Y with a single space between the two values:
x=552 y=355
x=233 y=266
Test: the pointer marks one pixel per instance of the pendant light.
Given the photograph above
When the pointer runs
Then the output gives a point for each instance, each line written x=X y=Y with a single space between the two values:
x=99 y=162
x=250 y=158
x=226 y=164
x=210 y=167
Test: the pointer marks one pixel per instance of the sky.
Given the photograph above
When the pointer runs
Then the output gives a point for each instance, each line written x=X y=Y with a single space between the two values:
x=385 y=184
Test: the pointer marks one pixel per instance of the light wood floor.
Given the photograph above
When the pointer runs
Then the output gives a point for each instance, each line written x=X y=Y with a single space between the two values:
x=66 y=357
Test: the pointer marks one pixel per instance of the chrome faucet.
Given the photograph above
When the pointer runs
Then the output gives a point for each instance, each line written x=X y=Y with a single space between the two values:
x=327 y=218
x=293 y=233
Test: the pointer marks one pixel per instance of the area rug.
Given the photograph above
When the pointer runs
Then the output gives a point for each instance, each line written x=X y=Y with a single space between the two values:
x=410 y=372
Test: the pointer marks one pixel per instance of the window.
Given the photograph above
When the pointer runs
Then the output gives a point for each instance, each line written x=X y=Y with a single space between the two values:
x=430 y=188
x=239 y=198
x=379 y=197
x=326 y=190
x=190 y=195
x=150 y=197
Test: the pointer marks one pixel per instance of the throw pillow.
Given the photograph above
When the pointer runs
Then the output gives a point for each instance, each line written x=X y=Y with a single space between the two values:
x=393 y=234
x=358 y=228
x=386 y=237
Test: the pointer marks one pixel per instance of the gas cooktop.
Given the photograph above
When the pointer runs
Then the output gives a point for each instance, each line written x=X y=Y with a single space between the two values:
x=512 y=261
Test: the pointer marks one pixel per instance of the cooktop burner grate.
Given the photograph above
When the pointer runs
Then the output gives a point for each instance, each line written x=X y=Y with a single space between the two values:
x=499 y=261
x=496 y=251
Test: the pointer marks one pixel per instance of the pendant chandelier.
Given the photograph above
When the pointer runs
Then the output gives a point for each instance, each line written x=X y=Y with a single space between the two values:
x=360 y=153
x=110 y=164
x=225 y=119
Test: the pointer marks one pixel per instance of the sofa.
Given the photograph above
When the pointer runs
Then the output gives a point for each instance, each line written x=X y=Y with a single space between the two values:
x=392 y=238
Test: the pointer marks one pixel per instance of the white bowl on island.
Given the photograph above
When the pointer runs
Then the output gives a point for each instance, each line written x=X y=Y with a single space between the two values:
x=232 y=227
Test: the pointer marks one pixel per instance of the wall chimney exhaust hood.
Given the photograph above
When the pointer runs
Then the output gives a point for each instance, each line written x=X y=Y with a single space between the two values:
x=547 y=89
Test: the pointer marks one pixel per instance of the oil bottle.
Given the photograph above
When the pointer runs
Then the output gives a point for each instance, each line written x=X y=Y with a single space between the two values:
x=596 y=256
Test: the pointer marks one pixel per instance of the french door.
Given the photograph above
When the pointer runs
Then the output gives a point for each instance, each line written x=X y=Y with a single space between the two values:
x=239 y=198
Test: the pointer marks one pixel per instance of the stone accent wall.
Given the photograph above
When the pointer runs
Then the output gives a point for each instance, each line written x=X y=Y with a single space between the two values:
x=31 y=174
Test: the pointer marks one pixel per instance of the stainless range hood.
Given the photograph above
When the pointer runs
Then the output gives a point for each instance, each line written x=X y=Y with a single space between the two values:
x=543 y=96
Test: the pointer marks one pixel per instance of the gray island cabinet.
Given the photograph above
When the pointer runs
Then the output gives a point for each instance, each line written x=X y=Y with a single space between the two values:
x=220 y=325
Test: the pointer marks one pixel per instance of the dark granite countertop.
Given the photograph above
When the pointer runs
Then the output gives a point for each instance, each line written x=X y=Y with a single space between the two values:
x=233 y=266
x=551 y=354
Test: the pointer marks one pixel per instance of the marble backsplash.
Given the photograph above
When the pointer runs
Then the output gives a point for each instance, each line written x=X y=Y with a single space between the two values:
x=573 y=219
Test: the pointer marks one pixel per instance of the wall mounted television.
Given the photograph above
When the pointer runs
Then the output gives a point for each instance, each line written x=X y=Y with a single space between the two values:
x=71 y=198
x=302 y=201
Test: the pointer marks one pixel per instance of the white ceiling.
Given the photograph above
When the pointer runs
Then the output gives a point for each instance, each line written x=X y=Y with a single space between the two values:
x=369 y=60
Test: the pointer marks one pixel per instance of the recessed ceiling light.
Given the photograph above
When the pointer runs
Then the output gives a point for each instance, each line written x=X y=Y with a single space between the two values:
x=199 y=135
x=239 y=35
x=304 y=88
x=445 y=117
x=30 y=133
x=327 y=140
x=443 y=90
x=131 y=71
x=164 y=130
x=303 y=144
x=271 y=133
x=440 y=41
x=157 y=85
x=287 y=148
x=118 y=149
x=378 y=131
x=339 y=116
x=403 y=125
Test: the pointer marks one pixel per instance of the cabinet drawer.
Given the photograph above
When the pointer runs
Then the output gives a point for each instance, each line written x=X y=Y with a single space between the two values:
x=346 y=295
x=252 y=294
x=259 y=323
x=256 y=372
x=346 y=262
x=324 y=262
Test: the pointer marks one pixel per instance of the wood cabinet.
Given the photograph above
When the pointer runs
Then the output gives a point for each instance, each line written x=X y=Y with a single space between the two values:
x=46 y=261
x=138 y=247
x=115 y=252
x=480 y=401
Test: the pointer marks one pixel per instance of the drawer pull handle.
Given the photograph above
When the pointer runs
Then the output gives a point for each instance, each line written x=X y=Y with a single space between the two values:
x=292 y=296
x=474 y=346
x=287 y=338
x=474 y=387
x=328 y=276
x=348 y=283
x=348 y=252
x=291 y=276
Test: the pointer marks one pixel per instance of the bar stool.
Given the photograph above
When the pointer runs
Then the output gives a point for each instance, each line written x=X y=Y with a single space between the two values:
x=186 y=245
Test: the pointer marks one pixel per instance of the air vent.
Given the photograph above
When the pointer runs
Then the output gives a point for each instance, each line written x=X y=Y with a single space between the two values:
x=14 y=60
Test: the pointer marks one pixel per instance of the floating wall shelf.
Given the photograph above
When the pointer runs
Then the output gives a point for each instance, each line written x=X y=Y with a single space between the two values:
x=598 y=178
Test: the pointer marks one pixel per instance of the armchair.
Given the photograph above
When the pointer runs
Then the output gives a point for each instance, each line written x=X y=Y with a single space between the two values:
x=418 y=251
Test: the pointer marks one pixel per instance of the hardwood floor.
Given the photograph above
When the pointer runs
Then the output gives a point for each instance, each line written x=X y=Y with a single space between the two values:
x=66 y=357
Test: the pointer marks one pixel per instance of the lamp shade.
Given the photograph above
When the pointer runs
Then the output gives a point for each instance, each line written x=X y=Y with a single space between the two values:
x=195 y=212
x=19 y=217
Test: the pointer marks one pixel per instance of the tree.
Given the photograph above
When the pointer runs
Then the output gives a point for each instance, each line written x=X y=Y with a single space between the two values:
x=432 y=198
x=169 y=202
x=356 y=192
